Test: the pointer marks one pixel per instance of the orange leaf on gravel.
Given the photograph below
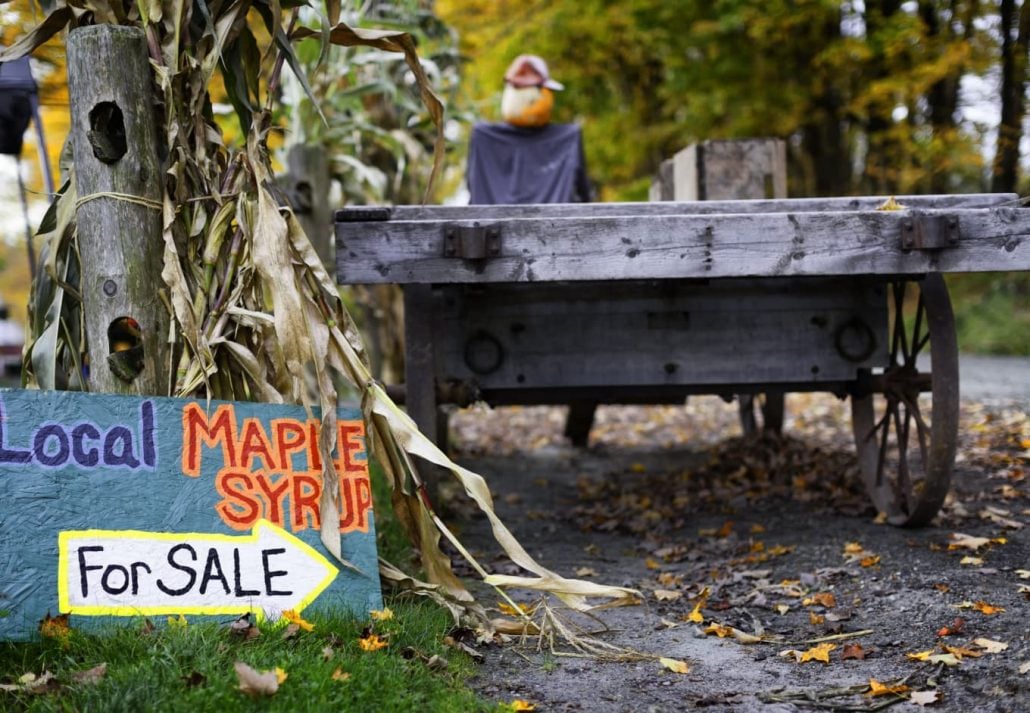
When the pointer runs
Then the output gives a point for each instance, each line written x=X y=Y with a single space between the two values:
x=823 y=599
x=961 y=651
x=882 y=689
x=988 y=609
x=957 y=627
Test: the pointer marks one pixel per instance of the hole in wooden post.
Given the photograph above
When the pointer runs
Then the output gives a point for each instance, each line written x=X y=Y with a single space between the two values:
x=107 y=132
x=125 y=348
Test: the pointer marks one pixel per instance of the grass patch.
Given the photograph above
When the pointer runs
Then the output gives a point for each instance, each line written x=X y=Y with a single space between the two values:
x=190 y=668
x=992 y=312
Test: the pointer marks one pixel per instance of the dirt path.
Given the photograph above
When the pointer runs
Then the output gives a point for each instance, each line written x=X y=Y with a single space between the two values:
x=787 y=549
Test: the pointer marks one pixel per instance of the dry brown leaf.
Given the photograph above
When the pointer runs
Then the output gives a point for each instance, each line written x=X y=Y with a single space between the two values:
x=924 y=698
x=961 y=652
x=823 y=599
x=971 y=561
x=852 y=651
x=29 y=682
x=991 y=646
x=957 y=626
x=340 y=675
x=816 y=619
x=91 y=676
x=674 y=665
x=667 y=595
x=883 y=689
x=254 y=683
x=586 y=572
x=959 y=541
x=513 y=627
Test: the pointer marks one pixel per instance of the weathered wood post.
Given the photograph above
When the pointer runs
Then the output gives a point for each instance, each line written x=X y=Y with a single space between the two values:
x=118 y=214
x=730 y=170
x=308 y=188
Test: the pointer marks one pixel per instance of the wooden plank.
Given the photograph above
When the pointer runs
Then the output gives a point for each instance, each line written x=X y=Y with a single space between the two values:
x=117 y=172
x=154 y=481
x=599 y=210
x=686 y=246
x=511 y=337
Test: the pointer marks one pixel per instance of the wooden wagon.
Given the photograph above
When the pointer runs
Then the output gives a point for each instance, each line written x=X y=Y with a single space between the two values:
x=652 y=302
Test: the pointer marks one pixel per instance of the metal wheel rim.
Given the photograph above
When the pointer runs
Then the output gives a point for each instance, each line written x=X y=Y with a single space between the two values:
x=922 y=435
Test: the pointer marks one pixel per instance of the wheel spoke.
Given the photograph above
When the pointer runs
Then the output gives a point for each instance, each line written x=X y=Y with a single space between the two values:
x=903 y=487
x=917 y=342
x=922 y=429
x=899 y=323
x=886 y=421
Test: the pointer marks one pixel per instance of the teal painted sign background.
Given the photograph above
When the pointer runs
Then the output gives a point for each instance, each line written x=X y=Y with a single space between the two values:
x=115 y=506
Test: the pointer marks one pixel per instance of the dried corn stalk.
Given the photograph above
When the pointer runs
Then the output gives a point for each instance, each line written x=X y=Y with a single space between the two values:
x=255 y=314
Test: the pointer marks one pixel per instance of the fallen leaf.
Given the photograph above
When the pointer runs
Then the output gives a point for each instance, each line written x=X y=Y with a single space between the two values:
x=723 y=631
x=946 y=659
x=515 y=611
x=91 y=676
x=56 y=627
x=520 y=705
x=1024 y=667
x=668 y=579
x=990 y=646
x=853 y=548
x=695 y=614
x=327 y=653
x=674 y=665
x=821 y=652
x=823 y=599
x=1023 y=573
x=177 y=621
x=652 y=563
x=883 y=689
x=816 y=619
x=924 y=698
x=384 y=614
x=290 y=632
x=942 y=587
x=667 y=595
x=782 y=608
x=870 y=561
x=1000 y=517
x=959 y=541
x=519 y=627
x=586 y=572
x=757 y=529
x=971 y=561
x=852 y=651
x=280 y=675
x=988 y=609
x=920 y=655
x=372 y=642
x=340 y=675
x=30 y=683
x=254 y=683
x=961 y=652
x=956 y=627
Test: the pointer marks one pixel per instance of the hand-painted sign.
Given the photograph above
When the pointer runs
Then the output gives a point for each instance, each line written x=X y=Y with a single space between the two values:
x=116 y=506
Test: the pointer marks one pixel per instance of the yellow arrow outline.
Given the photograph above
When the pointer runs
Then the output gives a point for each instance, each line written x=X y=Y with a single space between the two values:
x=65 y=537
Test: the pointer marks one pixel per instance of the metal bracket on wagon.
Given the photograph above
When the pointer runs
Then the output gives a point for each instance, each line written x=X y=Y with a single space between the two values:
x=471 y=242
x=929 y=232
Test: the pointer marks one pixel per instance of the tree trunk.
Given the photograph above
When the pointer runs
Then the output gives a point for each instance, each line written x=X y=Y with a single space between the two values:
x=1013 y=106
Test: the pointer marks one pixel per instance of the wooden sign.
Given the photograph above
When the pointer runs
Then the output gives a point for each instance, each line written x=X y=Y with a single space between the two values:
x=114 y=506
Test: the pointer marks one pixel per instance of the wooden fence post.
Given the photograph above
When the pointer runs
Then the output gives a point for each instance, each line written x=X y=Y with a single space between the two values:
x=739 y=169
x=308 y=188
x=118 y=179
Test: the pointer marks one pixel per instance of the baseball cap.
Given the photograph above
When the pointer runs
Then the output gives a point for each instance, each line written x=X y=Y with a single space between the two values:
x=529 y=70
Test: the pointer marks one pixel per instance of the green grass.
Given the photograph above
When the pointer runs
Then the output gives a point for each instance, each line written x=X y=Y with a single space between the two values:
x=175 y=668
x=992 y=312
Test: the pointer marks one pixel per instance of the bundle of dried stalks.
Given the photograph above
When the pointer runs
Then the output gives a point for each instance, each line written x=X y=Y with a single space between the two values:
x=255 y=315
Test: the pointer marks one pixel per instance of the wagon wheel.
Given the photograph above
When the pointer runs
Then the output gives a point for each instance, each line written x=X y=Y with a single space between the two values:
x=905 y=420
x=770 y=405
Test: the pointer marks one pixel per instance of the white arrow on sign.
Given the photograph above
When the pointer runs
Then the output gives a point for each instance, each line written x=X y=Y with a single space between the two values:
x=133 y=573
